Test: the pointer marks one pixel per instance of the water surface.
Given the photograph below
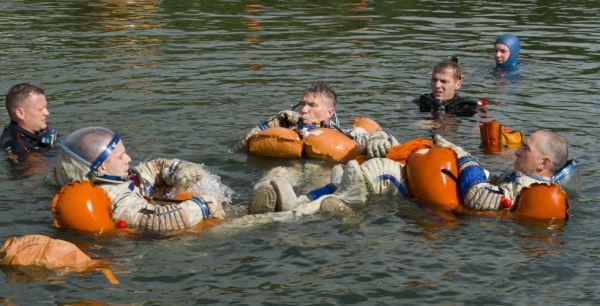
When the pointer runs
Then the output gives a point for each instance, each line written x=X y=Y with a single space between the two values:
x=186 y=78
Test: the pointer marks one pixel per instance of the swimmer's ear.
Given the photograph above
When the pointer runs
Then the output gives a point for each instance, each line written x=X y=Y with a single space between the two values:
x=20 y=113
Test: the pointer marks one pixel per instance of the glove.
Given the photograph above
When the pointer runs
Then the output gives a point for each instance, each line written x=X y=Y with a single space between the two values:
x=286 y=118
x=215 y=207
x=379 y=143
x=183 y=174
x=440 y=141
x=465 y=160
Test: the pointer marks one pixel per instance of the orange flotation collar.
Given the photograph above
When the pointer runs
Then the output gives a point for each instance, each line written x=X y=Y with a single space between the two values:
x=400 y=153
x=432 y=178
x=320 y=143
x=276 y=142
x=542 y=202
x=82 y=206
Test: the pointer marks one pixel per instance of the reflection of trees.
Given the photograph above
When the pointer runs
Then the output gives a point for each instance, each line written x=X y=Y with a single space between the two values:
x=253 y=23
x=123 y=28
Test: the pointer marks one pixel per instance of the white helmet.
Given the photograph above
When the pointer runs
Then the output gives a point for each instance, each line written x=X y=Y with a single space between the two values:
x=83 y=151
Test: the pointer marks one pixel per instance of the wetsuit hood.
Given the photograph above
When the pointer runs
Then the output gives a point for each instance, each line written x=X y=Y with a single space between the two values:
x=513 y=44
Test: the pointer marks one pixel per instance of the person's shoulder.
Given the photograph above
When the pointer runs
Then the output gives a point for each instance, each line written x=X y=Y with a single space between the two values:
x=426 y=103
x=463 y=107
x=423 y=98
x=9 y=140
x=460 y=99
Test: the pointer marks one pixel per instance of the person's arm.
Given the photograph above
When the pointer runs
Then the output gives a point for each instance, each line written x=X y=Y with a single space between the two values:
x=141 y=214
x=475 y=189
x=170 y=172
x=286 y=118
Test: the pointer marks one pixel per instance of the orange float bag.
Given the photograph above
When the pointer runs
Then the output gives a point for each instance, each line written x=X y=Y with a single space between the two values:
x=42 y=251
x=400 y=153
x=330 y=144
x=276 y=142
x=82 y=206
x=432 y=178
x=494 y=136
x=542 y=202
x=367 y=124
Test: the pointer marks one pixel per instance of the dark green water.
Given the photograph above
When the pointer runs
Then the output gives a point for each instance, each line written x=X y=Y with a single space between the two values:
x=186 y=78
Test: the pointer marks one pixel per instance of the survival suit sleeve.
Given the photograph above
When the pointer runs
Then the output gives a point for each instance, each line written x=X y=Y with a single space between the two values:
x=141 y=214
x=474 y=189
x=478 y=193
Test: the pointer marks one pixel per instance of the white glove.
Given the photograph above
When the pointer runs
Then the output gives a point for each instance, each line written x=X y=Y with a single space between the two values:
x=379 y=143
x=286 y=118
x=440 y=141
x=183 y=174
x=215 y=207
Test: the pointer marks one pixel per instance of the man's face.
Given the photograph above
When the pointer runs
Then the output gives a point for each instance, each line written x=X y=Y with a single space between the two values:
x=117 y=162
x=502 y=53
x=444 y=85
x=313 y=109
x=529 y=158
x=33 y=114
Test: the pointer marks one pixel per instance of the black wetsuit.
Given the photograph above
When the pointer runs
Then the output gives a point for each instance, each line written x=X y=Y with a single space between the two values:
x=19 y=142
x=457 y=106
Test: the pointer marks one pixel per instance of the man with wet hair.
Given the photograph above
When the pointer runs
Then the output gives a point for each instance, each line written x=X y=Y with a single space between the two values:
x=28 y=130
x=317 y=109
x=446 y=80
x=98 y=154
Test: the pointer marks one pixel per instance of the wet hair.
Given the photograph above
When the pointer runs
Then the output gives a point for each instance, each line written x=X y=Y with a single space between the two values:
x=18 y=95
x=320 y=88
x=449 y=64
x=556 y=147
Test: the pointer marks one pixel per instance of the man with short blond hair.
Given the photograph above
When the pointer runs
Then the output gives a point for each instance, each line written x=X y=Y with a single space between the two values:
x=28 y=129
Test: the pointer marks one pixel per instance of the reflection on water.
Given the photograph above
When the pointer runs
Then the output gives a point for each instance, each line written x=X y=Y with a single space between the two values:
x=187 y=78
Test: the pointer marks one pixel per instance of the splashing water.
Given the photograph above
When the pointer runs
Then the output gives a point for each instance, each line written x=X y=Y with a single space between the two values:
x=211 y=185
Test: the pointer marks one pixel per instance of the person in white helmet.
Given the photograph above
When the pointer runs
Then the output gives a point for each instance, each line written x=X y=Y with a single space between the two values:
x=98 y=154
